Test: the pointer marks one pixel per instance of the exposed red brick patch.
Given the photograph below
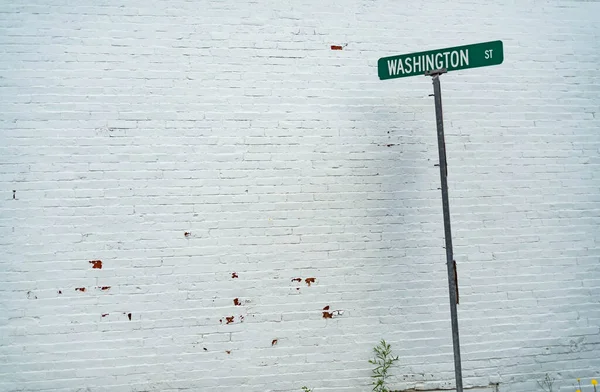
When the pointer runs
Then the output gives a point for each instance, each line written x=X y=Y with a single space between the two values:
x=309 y=281
x=234 y=275
x=187 y=234
x=336 y=47
x=236 y=302
x=229 y=319
x=274 y=342
x=129 y=316
x=104 y=314
x=326 y=314
x=228 y=351
x=297 y=280
x=59 y=291
x=96 y=264
x=103 y=288
x=82 y=289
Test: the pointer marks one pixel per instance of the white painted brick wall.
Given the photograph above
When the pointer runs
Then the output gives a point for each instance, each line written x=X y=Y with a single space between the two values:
x=127 y=124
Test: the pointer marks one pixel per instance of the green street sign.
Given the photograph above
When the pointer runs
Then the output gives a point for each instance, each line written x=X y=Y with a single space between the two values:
x=453 y=59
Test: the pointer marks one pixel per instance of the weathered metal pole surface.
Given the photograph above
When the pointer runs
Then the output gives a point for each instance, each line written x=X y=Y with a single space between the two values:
x=452 y=284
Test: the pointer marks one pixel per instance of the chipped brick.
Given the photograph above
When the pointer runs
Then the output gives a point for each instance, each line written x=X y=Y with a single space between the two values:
x=96 y=264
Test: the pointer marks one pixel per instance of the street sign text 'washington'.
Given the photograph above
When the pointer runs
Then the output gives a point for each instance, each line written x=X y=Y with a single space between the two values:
x=452 y=59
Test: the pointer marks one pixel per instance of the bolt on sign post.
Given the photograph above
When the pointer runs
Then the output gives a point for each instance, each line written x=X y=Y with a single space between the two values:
x=435 y=63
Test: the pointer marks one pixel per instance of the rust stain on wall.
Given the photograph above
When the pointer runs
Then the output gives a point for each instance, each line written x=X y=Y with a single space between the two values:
x=96 y=264
x=309 y=281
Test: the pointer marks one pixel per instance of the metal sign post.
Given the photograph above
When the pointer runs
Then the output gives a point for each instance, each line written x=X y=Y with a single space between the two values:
x=434 y=63
x=451 y=265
